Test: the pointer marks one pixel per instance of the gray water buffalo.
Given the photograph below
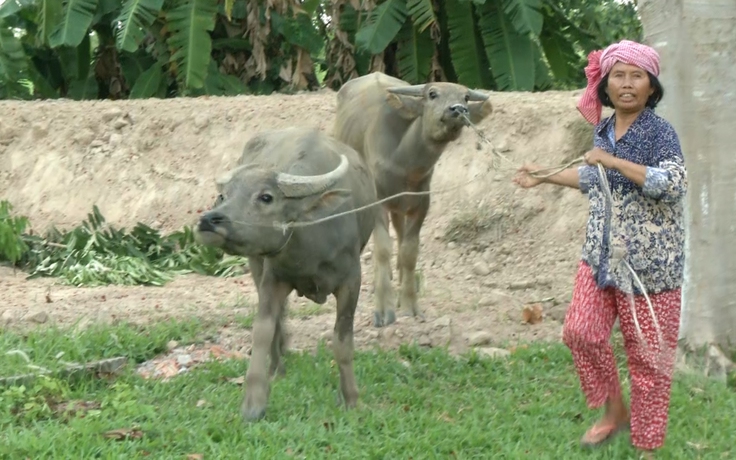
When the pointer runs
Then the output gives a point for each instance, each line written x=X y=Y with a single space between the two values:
x=294 y=175
x=401 y=132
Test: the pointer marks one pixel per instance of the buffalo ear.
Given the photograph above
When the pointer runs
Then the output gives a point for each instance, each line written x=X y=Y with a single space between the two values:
x=326 y=203
x=480 y=110
x=409 y=107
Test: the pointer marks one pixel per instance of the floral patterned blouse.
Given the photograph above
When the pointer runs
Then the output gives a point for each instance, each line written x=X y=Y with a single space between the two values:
x=646 y=224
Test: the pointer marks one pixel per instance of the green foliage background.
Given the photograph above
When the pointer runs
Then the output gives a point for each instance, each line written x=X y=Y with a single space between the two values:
x=119 y=49
x=96 y=253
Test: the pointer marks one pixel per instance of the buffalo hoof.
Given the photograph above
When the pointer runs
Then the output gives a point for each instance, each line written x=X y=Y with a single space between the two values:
x=253 y=410
x=253 y=414
x=384 y=320
x=342 y=403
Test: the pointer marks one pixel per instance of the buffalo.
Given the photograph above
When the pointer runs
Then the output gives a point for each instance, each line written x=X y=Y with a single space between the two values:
x=401 y=131
x=286 y=177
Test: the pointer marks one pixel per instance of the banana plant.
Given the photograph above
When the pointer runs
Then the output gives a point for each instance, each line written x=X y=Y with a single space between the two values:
x=114 y=49
x=152 y=48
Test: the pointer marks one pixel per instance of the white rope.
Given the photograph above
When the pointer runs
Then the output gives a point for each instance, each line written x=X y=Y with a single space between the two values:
x=617 y=258
x=554 y=170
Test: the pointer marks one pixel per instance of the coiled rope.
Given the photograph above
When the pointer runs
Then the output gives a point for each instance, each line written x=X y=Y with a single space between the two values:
x=617 y=255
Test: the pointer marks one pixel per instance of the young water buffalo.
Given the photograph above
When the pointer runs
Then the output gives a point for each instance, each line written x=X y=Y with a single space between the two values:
x=401 y=132
x=295 y=175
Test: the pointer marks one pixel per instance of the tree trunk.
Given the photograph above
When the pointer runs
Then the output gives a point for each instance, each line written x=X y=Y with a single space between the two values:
x=696 y=41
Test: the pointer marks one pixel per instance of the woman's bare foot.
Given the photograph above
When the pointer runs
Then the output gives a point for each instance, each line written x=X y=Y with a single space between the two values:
x=614 y=420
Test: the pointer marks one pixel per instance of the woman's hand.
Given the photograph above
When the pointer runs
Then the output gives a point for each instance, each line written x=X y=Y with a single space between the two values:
x=524 y=179
x=597 y=155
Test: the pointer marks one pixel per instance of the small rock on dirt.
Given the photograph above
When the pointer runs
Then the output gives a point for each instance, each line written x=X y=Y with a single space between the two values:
x=443 y=321
x=492 y=352
x=115 y=140
x=39 y=317
x=7 y=317
x=519 y=285
x=425 y=341
x=120 y=123
x=481 y=269
x=184 y=360
x=488 y=301
x=111 y=114
x=479 y=338
x=201 y=121
x=40 y=130
x=490 y=284
x=172 y=344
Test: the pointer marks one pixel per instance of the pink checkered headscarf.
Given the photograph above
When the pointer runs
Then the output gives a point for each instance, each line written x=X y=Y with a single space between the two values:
x=600 y=63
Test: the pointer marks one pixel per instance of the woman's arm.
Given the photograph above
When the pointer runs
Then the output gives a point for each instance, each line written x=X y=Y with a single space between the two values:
x=666 y=180
x=569 y=177
x=633 y=171
x=525 y=177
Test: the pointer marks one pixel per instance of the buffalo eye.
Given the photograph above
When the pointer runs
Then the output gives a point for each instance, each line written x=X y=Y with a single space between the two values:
x=432 y=94
x=467 y=98
x=265 y=198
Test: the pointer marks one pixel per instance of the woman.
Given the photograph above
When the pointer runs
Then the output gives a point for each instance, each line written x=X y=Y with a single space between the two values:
x=645 y=171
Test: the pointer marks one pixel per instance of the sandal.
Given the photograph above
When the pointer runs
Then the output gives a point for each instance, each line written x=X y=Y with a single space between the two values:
x=601 y=433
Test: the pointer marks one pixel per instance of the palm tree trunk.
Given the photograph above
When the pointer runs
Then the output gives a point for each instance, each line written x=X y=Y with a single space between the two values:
x=697 y=45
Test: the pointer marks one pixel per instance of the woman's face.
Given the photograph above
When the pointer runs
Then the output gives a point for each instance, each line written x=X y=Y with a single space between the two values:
x=628 y=87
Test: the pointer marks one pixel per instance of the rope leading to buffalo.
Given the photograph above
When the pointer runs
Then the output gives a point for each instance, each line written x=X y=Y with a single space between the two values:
x=617 y=256
x=538 y=174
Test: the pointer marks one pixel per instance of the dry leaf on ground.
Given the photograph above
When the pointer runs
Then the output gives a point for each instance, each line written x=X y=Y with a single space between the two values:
x=124 y=433
x=76 y=407
x=532 y=314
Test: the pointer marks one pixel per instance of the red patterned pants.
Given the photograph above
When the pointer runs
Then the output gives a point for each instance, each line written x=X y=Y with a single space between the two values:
x=587 y=332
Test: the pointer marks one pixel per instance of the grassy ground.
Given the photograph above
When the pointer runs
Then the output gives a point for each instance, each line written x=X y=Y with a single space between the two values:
x=415 y=404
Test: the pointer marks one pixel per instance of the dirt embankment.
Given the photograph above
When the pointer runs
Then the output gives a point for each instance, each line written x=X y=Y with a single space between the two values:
x=155 y=161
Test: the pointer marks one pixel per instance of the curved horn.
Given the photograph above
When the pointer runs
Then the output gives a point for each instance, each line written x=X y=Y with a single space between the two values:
x=414 y=90
x=294 y=186
x=478 y=96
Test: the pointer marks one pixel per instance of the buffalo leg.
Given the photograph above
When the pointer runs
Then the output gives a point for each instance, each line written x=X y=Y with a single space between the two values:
x=277 y=344
x=383 y=314
x=272 y=296
x=342 y=340
x=408 y=254
x=397 y=219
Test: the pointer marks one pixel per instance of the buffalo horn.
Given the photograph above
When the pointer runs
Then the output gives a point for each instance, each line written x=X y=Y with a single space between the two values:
x=414 y=90
x=477 y=95
x=294 y=186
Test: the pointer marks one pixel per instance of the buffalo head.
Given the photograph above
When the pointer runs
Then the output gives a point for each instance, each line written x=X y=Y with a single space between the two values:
x=253 y=201
x=441 y=106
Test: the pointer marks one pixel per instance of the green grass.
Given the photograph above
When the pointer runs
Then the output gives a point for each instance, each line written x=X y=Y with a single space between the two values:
x=50 y=347
x=414 y=404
